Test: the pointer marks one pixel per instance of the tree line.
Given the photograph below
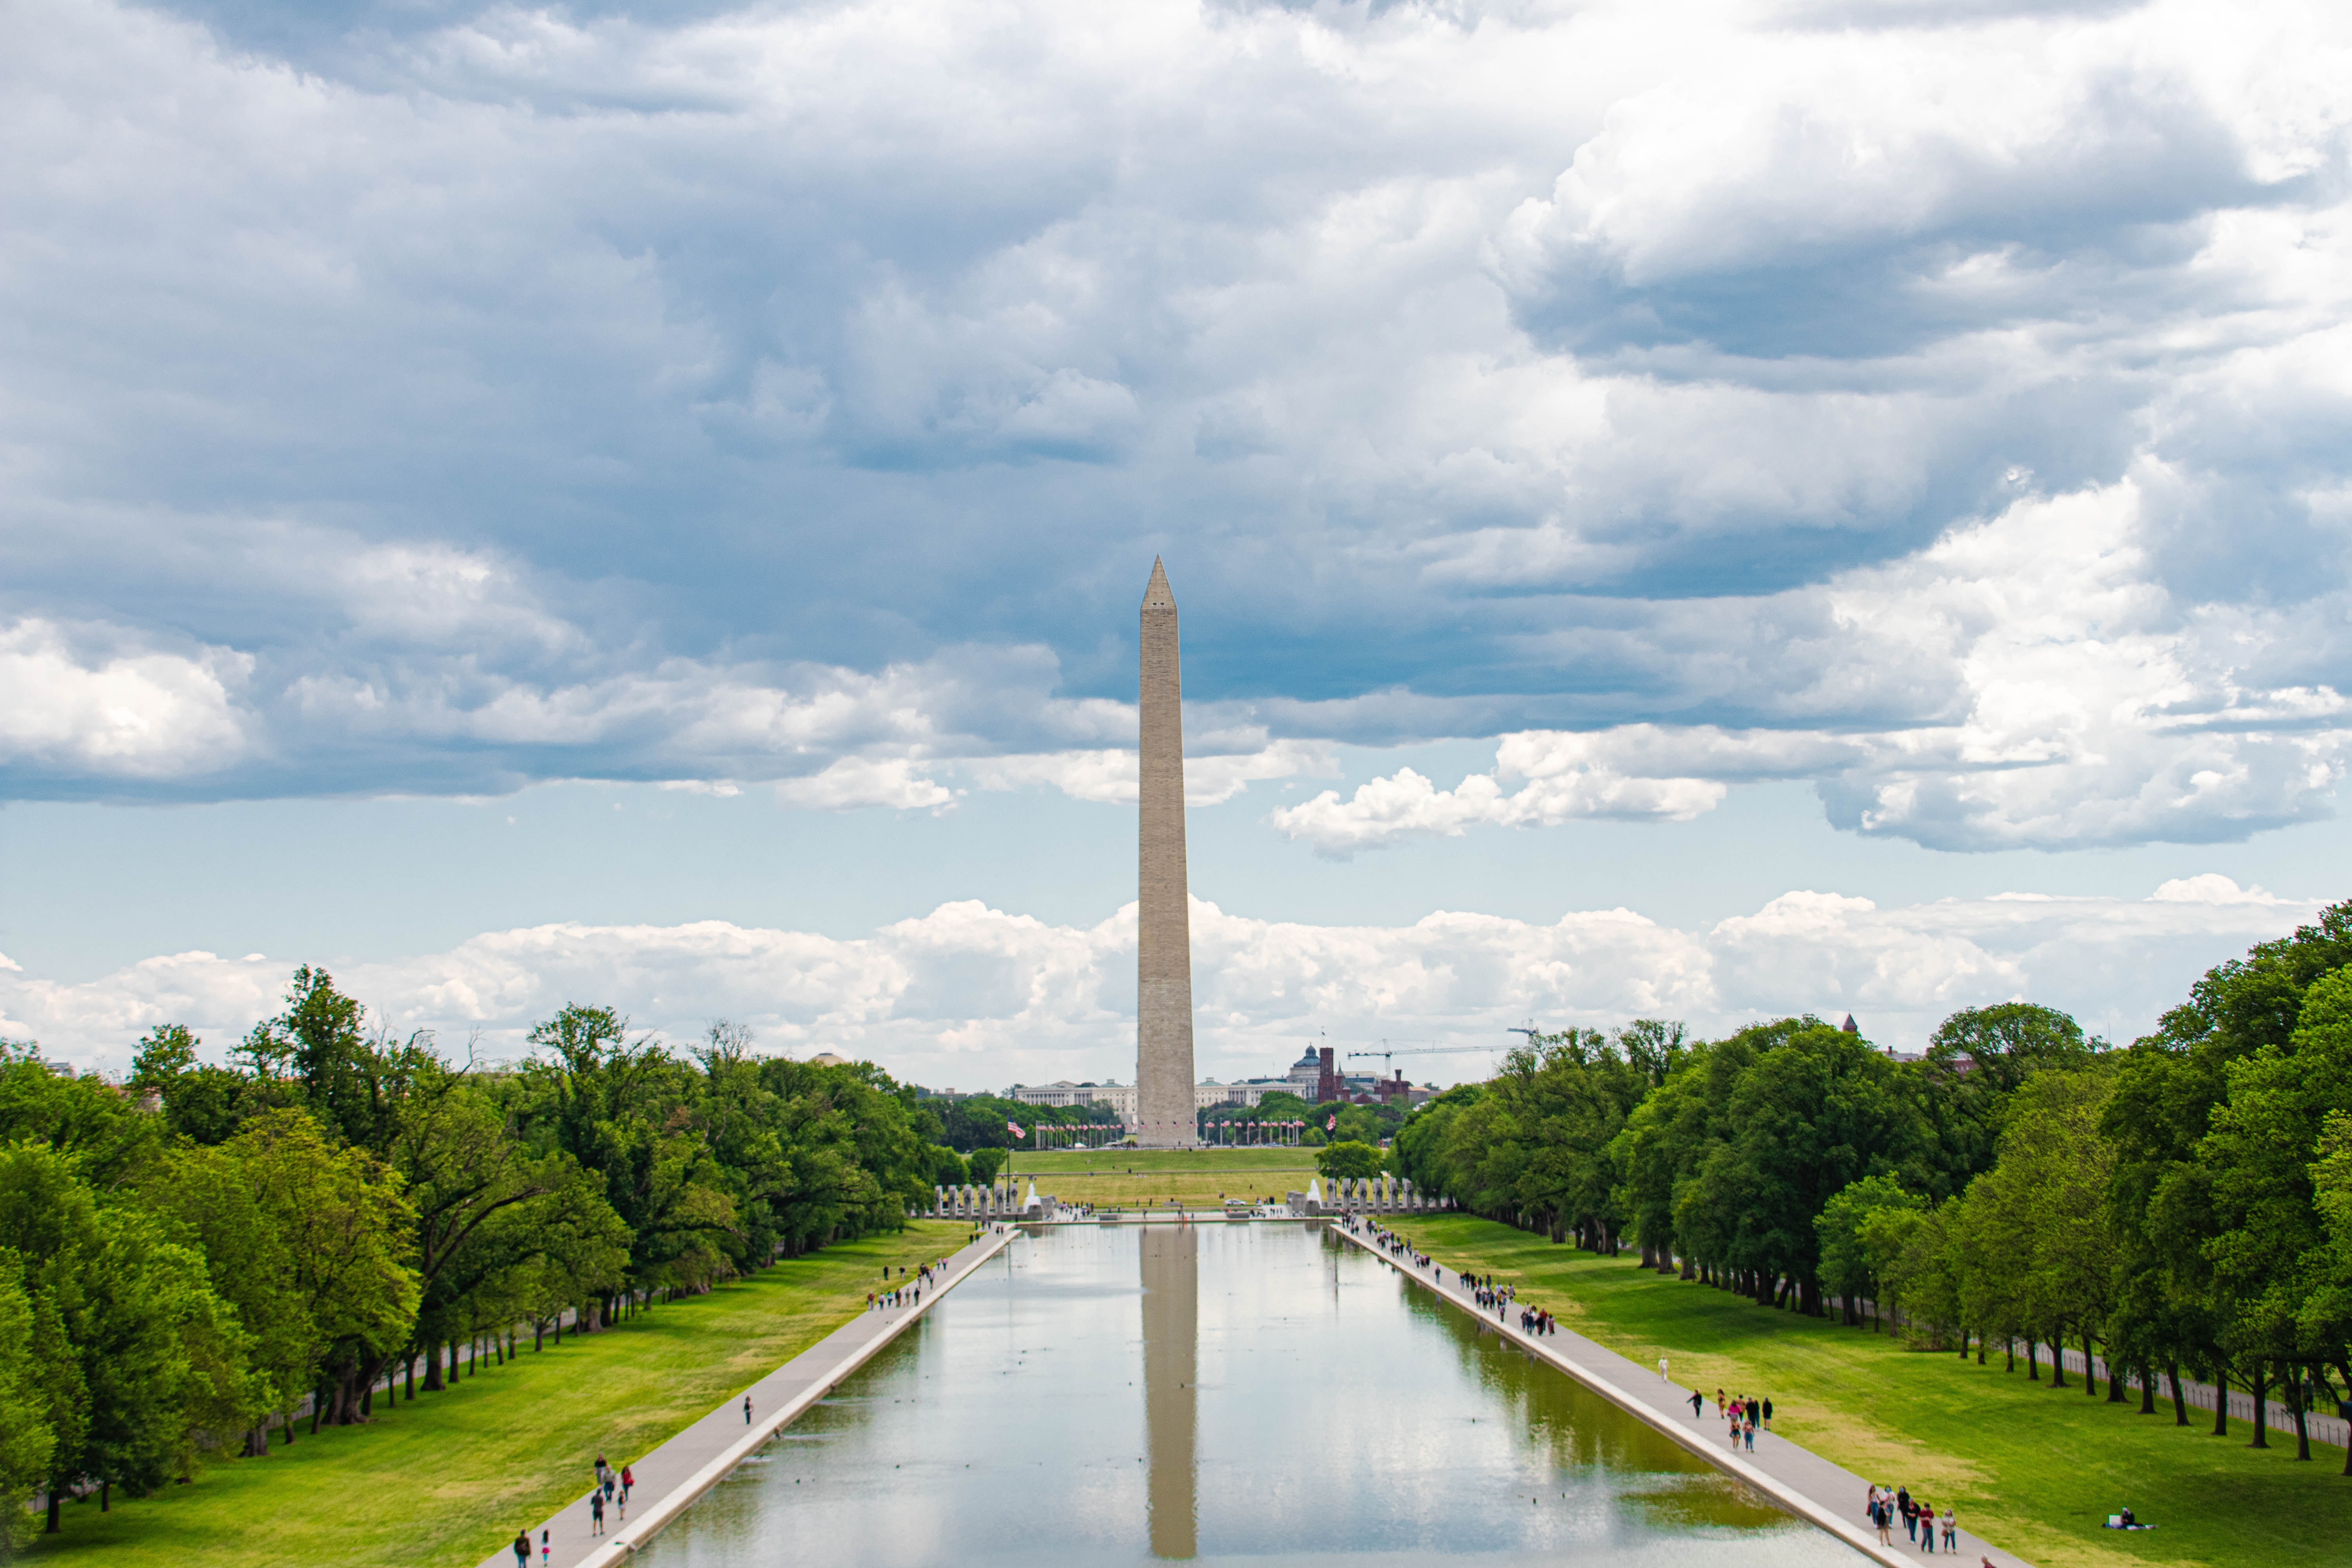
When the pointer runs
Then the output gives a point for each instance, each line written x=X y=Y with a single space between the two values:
x=2183 y=1204
x=187 y=1257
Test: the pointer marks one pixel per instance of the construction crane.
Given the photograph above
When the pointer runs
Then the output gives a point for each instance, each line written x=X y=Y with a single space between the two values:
x=1386 y=1055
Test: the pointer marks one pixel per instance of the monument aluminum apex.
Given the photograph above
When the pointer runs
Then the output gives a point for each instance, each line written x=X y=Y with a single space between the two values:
x=1164 y=956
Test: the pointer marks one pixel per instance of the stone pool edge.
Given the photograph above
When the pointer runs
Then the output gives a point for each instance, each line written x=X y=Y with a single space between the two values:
x=798 y=1384
x=1821 y=1515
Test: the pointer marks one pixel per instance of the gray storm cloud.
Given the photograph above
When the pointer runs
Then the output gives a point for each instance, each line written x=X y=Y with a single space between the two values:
x=1947 y=410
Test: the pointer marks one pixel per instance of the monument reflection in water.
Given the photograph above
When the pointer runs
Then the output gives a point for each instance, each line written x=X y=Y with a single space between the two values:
x=1172 y=1346
x=1219 y=1393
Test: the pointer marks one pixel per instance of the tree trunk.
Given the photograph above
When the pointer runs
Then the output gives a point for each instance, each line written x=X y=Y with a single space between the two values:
x=2011 y=1341
x=2179 y=1400
x=432 y=1367
x=2058 y=1360
x=2146 y=1389
x=2261 y=1404
x=2221 y=1403
x=2345 y=1368
x=2090 y=1366
x=51 y=1528
x=2294 y=1403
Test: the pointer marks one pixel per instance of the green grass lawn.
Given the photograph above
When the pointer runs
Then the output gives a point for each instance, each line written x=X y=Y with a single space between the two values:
x=1148 y=1178
x=447 y=1479
x=2032 y=1467
x=1166 y=1160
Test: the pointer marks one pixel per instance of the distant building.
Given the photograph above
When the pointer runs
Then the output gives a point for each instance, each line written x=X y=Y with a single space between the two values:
x=827 y=1060
x=1119 y=1097
x=1306 y=1077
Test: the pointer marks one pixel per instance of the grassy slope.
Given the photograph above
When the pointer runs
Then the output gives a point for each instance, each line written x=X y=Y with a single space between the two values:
x=1143 y=1178
x=446 y=1479
x=2032 y=1467
x=1166 y=1160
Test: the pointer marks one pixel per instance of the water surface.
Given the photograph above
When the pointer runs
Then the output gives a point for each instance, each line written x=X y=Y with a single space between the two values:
x=1218 y=1393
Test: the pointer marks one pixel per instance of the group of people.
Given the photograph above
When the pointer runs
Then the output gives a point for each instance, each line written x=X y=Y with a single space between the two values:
x=1389 y=1242
x=1920 y=1522
x=611 y=1495
x=907 y=1295
x=1744 y=1414
x=1491 y=1295
x=612 y=1491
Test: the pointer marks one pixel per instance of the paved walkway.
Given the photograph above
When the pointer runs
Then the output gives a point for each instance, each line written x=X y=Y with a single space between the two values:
x=674 y=1475
x=1797 y=1479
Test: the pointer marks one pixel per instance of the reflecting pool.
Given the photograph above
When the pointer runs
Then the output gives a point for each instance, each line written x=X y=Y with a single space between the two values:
x=1214 y=1392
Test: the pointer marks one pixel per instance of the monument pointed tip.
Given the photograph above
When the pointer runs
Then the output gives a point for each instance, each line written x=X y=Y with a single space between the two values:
x=1156 y=592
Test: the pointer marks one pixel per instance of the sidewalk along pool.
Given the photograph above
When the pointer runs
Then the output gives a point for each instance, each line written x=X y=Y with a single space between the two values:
x=1218 y=1393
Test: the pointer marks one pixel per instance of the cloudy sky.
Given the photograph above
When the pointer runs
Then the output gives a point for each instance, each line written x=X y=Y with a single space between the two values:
x=1699 y=509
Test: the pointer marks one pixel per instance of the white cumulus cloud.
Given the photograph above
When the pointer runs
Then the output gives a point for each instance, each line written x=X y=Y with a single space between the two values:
x=969 y=996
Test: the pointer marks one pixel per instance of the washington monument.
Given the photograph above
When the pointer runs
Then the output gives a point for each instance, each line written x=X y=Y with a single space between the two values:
x=1163 y=959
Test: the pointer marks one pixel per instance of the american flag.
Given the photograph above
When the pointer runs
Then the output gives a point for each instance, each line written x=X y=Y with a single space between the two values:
x=1015 y=1128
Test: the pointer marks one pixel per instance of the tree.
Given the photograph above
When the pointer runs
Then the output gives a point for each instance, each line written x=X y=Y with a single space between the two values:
x=205 y=1194
x=140 y=1353
x=1812 y=1114
x=1976 y=1060
x=2162 y=1201
x=106 y=1137
x=1850 y=1266
x=349 y=1235
x=29 y=1437
x=201 y=1103
x=2269 y=1250
x=1349 y=1162
x=319 y=1046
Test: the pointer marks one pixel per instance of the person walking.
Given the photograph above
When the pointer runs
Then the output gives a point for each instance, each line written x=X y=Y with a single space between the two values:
x=1767 y=1414
x=596 y=1511
x=601 y=1468
x=1719 y=1405
x=1749 y=1429
x=1662 y=1369
x=1698 y=1404
x=627 y=1480
x=522 y=1549
x=1951 y=1529
x=1910 y=1512
x=1886 y=1521
x=747 y=1410
x=545 y=1551
x=1928 y=1528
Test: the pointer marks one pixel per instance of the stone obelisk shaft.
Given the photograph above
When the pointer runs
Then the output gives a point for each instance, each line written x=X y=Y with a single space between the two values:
x=1163 y=999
